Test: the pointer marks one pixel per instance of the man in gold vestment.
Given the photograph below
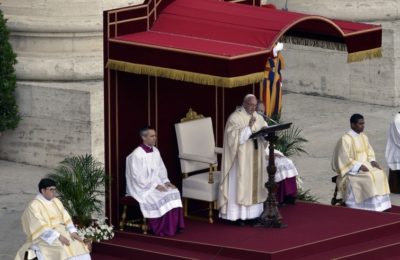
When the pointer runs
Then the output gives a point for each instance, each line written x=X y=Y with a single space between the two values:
x=362 y=182
x=49 y=229
x=242 y=193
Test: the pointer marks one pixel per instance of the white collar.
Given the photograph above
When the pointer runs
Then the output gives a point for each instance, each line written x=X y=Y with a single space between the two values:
x=43 y=198
x=353 y=133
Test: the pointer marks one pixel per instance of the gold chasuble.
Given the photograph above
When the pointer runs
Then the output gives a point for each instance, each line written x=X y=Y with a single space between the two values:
x=40 y=216
x=249 y=162
x=352 y=151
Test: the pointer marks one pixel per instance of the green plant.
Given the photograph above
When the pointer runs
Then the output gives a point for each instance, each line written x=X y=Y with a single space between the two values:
x=290 y=142
x=80 y=182
x=9 y=116
x=304 y=195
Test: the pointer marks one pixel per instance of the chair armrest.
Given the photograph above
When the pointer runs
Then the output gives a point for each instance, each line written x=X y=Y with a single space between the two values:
x=197 y=158
x=218 y=150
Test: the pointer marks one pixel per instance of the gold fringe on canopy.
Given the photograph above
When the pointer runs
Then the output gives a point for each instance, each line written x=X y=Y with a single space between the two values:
x=352 y=57
x=362 y=55
x=188 y=76
x=338 y=46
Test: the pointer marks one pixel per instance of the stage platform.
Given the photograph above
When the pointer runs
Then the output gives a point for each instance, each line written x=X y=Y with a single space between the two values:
x=314 y=231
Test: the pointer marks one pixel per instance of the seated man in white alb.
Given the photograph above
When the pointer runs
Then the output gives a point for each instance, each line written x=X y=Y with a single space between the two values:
x=147 y=181
x=360 y=179
x=49 y=229
x=286 y=172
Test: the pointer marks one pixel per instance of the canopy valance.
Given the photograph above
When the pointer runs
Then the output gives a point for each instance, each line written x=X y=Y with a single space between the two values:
x=210 y=42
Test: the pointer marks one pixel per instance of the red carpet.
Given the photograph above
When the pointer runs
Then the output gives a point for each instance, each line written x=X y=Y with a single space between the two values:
x=314 y=232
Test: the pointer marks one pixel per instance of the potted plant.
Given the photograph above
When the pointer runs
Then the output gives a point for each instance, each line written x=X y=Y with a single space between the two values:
x=80 y=184
x=9 y=116
x=291 y=142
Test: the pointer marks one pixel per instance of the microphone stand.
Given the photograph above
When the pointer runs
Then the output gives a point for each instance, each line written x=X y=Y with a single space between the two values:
x=267 y=118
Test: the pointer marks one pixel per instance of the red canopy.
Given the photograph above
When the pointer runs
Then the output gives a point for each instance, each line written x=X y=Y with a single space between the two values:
x=218 y=43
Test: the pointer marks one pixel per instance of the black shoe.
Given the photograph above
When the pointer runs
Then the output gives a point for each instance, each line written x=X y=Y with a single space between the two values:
x=251 y=222
x=240 y=223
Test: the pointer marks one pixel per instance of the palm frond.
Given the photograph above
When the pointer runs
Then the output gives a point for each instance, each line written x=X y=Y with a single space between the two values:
x=290 y=142
x=305 y=195
x=80 y=182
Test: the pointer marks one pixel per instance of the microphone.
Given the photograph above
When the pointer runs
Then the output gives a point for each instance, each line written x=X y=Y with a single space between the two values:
x=267 y=118
x=255 y=142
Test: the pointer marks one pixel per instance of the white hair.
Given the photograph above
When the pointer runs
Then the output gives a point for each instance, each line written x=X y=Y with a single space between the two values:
x=248 y=96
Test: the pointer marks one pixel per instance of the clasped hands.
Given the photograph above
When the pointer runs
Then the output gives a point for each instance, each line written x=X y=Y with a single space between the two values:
x=373 y=163
x=165 y=187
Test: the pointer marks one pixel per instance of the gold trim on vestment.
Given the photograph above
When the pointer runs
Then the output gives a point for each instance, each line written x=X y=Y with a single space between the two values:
x=187 y=76
x=345 y=167
x=38 y=230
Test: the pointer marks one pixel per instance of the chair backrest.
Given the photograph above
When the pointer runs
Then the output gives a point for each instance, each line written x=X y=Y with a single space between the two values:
x=195 y=137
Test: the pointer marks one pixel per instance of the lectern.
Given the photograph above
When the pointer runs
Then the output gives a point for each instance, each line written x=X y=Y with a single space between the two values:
x=270 y=216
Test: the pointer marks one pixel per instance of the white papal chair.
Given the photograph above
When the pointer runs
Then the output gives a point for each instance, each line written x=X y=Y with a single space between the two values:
x=198 y=158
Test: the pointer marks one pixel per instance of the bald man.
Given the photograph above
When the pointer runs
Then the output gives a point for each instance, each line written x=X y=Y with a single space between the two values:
x=242 y=192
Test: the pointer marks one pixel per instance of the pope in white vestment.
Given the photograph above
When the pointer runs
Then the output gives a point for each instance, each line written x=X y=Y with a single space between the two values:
x=147 y=181
x=242 y=192
x=49 y=229
x=392 y=154
x=362 y=183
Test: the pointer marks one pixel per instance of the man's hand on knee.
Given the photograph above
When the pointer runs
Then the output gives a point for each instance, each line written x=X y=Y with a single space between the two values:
x=169 y=185
x=63 y=240
x=364 y=168
x=376 y=165
x=75 y=236
x=161 y=188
